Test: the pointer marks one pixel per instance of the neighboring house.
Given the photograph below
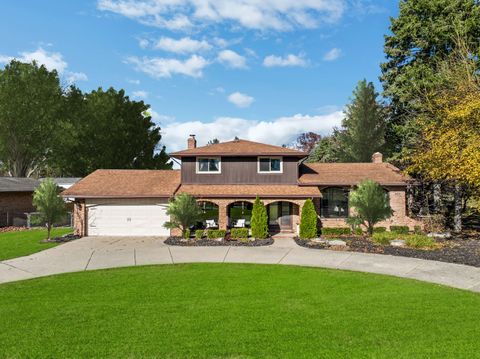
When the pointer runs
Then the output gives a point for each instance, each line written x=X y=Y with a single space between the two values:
x=16 y=195
x=225 y=178
x=65 y=182
x=16 y=200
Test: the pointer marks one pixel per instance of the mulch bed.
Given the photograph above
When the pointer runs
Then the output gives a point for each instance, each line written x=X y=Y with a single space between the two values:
x=12 y=229
x=460 y=251
x=65 y=238
x=204 y=242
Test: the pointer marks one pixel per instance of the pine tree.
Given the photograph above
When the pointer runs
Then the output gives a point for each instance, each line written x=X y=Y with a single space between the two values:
x=363 y=129
x=259 y=221
x=308 y=221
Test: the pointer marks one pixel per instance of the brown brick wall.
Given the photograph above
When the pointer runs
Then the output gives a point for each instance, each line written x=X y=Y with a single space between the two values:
x=15 y=204
x=80 y=218
x=397 y=202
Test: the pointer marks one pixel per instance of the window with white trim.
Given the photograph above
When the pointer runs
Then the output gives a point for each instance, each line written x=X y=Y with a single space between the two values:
x=270 y=165
x=209 y=165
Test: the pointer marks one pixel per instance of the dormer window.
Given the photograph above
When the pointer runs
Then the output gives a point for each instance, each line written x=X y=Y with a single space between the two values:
x=270 y=165
x=209 y=165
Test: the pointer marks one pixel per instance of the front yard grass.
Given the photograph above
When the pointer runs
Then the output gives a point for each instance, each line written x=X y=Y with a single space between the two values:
x=23 y=243
x=235 y=311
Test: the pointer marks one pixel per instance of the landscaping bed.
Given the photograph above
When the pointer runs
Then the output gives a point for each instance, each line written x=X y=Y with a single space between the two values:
x=205 y=242
x=460 y=250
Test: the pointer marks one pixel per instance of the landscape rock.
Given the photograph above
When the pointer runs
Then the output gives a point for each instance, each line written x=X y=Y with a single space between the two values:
x=397 y=243
x=337 y=242
x=440 y=235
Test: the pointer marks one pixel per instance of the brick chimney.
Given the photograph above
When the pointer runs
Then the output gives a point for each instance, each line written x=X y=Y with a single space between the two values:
x=377 y=157
x=192 y=142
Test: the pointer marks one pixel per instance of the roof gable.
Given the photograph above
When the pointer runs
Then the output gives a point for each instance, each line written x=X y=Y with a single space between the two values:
x=239 y=148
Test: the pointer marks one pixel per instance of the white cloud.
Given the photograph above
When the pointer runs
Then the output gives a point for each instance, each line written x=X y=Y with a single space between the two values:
x=333 y=54
x=140 y=94
x=134 y=82
x=183 y=45
x=158 y=67
x=143 y=43
x=51 y=60
x=253 y=14
x=240 y=99
x=72 y=77
x=232 y=59
x=283 y=130
x=289 y=60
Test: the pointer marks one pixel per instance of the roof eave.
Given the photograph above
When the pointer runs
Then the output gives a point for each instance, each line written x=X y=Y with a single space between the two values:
x=243 y=154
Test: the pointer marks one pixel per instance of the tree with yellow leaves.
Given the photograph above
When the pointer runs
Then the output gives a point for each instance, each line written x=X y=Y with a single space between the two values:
x=450 y=146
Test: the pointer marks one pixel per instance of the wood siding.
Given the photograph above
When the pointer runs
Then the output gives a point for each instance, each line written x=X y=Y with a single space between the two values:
x=240 y=170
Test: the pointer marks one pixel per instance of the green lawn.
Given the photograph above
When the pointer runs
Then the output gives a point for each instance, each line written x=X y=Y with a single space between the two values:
x=235 y=311
x=23 y=243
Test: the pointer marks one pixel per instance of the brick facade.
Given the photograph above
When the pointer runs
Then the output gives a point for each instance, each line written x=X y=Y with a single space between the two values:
x=13 y=206
x=398 y=203
x=80 y=218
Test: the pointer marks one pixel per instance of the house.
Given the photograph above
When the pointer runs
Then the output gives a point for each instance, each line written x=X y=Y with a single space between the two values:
x=16 y=196
x=225 y=178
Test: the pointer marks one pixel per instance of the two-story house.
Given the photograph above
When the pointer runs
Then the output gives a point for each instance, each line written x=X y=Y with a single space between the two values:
x=225 y=178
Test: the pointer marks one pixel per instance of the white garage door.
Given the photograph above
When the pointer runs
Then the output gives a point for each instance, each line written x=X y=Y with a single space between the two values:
x=127 y=219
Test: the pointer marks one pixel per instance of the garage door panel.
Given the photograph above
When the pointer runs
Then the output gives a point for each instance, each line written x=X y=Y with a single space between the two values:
x=127 y=220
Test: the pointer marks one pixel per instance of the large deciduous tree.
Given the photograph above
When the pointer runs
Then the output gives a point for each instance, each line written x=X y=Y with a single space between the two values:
x=423 y=33
x=30 y=107
x=449 y=146
x=362 y=132
x=307 y=141
x=105 y=129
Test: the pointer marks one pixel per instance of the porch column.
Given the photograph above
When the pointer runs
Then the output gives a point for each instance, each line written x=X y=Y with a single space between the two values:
x=222 y=215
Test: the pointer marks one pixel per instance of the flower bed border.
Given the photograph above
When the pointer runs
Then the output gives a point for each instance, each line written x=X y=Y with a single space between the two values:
x=204 y=242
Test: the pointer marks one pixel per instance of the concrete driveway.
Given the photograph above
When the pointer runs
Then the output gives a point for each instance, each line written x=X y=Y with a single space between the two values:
x=91 y=253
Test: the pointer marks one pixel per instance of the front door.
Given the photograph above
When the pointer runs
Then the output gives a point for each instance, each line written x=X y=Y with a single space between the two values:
x=279 y=215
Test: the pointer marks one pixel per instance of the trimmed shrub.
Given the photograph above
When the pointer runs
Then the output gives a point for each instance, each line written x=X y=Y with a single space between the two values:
x=417 y=230
x=186 y=234
x=379 y=229
x=259 y=221
x=400 y=229
x=308 y=221
x=358 y=231
x=419 y=241
x=384 y=237
x=199 y=233
x=216 y=233
x=239 y=233
x=336 y=231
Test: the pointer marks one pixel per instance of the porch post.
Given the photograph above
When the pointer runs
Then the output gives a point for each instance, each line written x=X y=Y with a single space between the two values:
x=222 y=215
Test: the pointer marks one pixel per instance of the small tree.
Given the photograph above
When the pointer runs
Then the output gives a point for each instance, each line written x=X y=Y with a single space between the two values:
x=259 y=221
x=308 y=221
x=184 y=213
x=371 y=204
x=49 y=204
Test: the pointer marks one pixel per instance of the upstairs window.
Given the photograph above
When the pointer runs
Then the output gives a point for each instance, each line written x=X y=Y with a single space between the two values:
x=209 y=165
x=270 y=165
x=334 y=203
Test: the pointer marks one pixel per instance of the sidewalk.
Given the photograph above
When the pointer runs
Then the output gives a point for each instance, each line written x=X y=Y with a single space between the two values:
x=109 y=252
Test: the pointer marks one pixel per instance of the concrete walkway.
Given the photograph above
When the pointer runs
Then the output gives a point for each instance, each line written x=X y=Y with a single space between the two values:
x=108 y=252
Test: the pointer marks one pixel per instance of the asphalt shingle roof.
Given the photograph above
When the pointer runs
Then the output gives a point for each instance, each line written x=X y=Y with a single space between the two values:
x=18 y=184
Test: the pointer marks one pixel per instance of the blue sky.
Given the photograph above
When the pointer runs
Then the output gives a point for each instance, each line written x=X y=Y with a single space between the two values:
x=264 y=70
